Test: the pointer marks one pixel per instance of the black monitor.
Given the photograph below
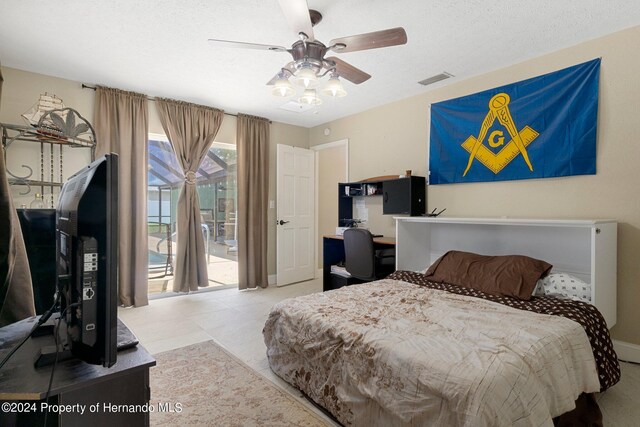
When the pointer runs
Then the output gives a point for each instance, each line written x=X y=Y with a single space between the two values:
x=87 y=258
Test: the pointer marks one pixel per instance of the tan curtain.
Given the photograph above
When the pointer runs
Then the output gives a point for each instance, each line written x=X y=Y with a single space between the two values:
x=121 y=123
x=16 y=293
x=253 y=194
x=191 y=129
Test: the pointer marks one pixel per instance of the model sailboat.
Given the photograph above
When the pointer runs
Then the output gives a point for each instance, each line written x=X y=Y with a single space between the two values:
x=45 y=104
x=57 y=124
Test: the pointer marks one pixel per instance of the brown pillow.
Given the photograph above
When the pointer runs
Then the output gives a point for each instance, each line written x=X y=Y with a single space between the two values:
x=509 y=275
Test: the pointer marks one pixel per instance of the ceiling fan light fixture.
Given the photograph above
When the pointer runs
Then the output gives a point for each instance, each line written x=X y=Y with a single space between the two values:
x=282 y=87
x=310 y=97
x=334 y=87
x=309 y=64
x=306 y=77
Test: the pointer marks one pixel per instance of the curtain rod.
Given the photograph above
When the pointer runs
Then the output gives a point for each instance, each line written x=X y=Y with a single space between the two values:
x=150 y=98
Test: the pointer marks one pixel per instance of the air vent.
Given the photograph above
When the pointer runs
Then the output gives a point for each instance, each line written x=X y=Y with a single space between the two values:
x=438 y=77
x=296 y=107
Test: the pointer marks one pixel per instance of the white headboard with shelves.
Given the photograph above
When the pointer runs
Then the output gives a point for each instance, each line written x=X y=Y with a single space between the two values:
x=583 y=248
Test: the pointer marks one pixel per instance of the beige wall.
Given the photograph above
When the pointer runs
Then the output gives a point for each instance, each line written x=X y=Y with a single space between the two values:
x=392 y=138
x=21 y=90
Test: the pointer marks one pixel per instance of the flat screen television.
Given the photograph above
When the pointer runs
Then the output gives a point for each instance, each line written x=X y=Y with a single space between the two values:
x=87 y=260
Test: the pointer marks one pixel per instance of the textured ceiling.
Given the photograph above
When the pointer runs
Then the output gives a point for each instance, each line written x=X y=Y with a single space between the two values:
x=159 y=47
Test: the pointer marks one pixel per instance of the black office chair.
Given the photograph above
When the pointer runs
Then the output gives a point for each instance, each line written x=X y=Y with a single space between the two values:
x=362 y=260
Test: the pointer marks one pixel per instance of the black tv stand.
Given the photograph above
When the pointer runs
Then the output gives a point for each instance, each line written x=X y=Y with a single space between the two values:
x=46 y=355
x=75 y=382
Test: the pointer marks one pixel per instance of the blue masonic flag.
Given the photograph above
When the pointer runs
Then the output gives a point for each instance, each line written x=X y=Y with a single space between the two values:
x=537 y=128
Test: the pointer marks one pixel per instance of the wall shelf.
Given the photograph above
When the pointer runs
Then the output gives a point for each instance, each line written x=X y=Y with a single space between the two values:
x=71 y=135
x=11 y=133
x=347 y=191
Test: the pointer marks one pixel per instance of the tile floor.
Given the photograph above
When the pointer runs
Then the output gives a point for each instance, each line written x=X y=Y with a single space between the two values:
x=234 y=319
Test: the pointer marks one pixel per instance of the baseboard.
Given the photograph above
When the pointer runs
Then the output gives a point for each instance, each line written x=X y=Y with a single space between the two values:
x=273 y=278
x=627 y=351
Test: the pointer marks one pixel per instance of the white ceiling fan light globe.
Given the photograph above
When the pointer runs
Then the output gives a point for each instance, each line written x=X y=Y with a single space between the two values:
x=283 y=88
x=309 y=97
x=306 y=78
x=334 y=88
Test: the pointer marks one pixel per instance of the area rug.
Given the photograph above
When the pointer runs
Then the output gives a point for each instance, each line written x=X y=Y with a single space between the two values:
x=206 y=386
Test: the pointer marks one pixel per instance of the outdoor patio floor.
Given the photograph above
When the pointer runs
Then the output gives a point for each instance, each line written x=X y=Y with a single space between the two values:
x=222 y=268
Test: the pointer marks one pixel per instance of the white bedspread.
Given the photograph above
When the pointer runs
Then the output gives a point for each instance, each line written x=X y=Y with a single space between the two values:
x=394 y=353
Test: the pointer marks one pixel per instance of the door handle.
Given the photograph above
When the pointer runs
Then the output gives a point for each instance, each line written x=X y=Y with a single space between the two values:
x=281 y=222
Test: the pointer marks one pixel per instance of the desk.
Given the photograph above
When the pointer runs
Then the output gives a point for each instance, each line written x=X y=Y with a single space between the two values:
x=75 y=382
x=333 y=253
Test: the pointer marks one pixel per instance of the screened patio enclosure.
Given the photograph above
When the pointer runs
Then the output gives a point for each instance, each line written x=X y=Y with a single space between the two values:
x=216 y=186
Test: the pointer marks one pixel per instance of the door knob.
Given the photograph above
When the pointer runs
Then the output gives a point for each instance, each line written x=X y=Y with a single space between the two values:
x=281 y=222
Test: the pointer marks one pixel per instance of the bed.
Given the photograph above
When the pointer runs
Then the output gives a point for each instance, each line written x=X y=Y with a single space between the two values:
x=411 y=351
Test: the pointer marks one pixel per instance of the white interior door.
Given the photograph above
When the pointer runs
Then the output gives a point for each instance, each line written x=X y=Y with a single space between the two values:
x=296 y=214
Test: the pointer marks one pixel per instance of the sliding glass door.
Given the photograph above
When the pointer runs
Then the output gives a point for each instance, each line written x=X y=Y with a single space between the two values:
x=216 y=185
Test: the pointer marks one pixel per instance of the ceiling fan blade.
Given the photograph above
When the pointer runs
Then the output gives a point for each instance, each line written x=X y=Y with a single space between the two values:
x=297 y=14
x=290 y=66
x=348 y=71
x=243 y=45
x=374 y=40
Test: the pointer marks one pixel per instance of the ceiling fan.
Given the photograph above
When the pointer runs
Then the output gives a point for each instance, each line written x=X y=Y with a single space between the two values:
x=309 y=60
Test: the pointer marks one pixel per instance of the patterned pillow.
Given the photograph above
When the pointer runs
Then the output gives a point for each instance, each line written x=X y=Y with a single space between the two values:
x=567 y=285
